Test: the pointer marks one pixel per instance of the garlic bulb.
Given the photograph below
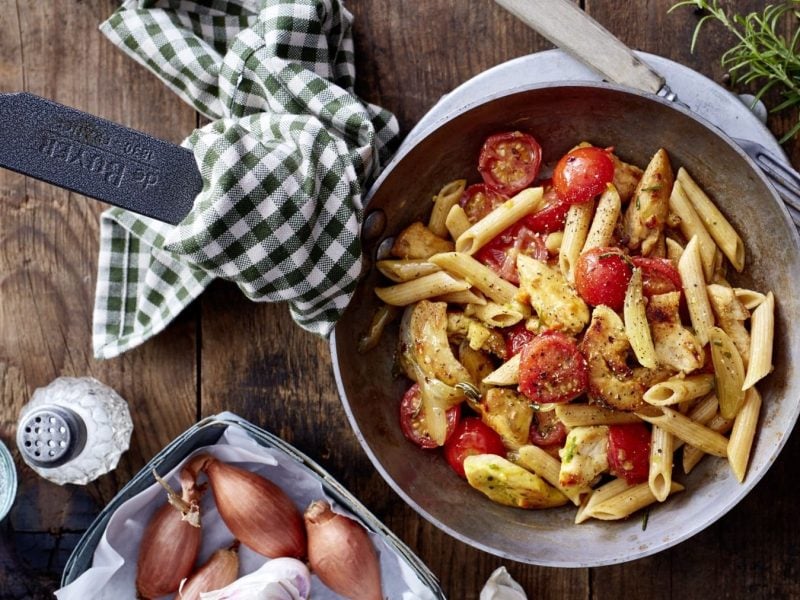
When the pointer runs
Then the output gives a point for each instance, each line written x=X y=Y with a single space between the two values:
x=278 y=579
x=341 y=553
x=257 y=511
x=171 y=541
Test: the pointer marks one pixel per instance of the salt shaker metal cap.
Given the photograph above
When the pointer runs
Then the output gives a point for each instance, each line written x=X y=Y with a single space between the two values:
x=74 y=430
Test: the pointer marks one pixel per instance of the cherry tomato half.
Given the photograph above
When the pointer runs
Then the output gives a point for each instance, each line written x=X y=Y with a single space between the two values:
x=479 y=200
x=501 y=252
x=412 y=420
x=602 y=276
x=472 y=436
x=659 y=275
x=552 y=369
x=629 y=452
x=509 y=161
x=582 y=173
x=551 y=217
x=516 y=338
x=547 y=430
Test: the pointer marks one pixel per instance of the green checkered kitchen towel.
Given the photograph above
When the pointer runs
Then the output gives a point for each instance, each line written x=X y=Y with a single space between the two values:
x=284 y=163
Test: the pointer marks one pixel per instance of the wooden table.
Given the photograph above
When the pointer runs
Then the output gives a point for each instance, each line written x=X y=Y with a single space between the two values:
x=225 y=353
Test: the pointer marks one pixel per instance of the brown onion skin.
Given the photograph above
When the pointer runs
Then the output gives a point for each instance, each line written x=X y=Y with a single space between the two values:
x=167 y=553
x=221 y=569
x=341 y=554
x=258 y=513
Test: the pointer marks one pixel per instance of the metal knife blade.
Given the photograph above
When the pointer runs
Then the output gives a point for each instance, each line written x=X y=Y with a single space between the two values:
x=97 y=158
x=565 y=24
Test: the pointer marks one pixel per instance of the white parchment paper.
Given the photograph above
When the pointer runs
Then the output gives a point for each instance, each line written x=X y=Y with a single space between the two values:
x=113 y=570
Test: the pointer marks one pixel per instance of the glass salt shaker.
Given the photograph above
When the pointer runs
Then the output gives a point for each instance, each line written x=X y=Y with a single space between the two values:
x=74 y=430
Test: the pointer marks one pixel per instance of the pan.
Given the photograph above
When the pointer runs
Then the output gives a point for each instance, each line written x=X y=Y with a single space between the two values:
x=559 y=115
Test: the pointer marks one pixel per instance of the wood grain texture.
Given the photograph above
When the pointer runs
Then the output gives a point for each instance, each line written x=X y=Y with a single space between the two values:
x=226 y=353
x=48 y=264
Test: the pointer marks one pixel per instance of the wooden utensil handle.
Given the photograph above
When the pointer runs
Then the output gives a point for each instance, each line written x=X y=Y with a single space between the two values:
x=568 y=27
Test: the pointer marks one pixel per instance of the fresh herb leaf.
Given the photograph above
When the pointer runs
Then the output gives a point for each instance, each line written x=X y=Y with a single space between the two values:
x=761 y=56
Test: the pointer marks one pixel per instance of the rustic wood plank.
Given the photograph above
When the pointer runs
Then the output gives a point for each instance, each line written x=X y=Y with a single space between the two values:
x=48 y=262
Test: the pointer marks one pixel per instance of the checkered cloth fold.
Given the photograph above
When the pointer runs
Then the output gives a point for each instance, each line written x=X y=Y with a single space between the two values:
x=284 y=164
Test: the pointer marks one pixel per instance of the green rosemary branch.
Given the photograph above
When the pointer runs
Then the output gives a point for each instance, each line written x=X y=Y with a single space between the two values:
x=761 y=56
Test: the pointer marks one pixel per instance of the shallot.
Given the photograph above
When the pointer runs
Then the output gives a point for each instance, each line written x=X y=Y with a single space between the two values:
x=218 y=571
x=341 y=553
x=171 y=541
x=257 y=511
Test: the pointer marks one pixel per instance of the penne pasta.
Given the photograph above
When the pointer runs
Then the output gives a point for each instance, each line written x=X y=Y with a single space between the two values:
x=599 y=495
x=690 y=432
x=546 y=466
x=692 y=226
x=679 y=389
x=576 y=228
x=694 y=287
x=447 y=197
x=659 y=477
x=749 y=298
x=674 y=251
x=504 y=216
x=743 y=433
x=628 y=502
x=636 y=326
x=429 y=286
x=601 y=231
x=457 y=221
x=728 y=373
x=692 y=455
x=498 y=315
x=762 y=333
x=553 y=242
x=505 y=374
x=715 y=222
x=406 y=269
x=702 y=412
x=464 y=297
x=479 y=275
x=731 y=316
x=579 y=415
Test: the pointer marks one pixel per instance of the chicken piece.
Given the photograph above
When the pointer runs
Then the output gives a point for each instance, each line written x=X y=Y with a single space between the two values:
x=417 y=241
x=510 y=414
x=626 y=178
x=649 y=207
x=612 y=382
x=426 y=357
x=509 y=484
x=555 y=302
x=584 y=456
x=478 y=335
x=676 y=346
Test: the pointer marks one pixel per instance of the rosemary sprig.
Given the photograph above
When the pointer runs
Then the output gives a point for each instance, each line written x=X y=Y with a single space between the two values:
x=761 y=55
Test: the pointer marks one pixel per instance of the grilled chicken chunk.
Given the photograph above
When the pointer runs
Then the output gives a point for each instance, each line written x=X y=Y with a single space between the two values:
x=612 y=381
x=676 y=346
x=649 y=207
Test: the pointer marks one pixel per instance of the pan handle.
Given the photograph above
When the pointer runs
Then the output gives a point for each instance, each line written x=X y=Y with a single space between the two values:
x=568 y=27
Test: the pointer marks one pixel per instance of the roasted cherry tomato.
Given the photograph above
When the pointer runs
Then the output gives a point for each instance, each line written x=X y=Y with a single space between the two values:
x=629 y=452
x=659 y=275
x=547 y=430
x=516 y=338
x=479 y=200
x=552 y=369
x=472 y=436
x=501 y=253
x=551 y=217
x=509 y=162
x=582 y=173
x=412 y=420
x=602 y=276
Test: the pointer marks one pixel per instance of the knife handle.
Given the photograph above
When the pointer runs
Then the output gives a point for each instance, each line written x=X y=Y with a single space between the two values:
x=571 y=29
